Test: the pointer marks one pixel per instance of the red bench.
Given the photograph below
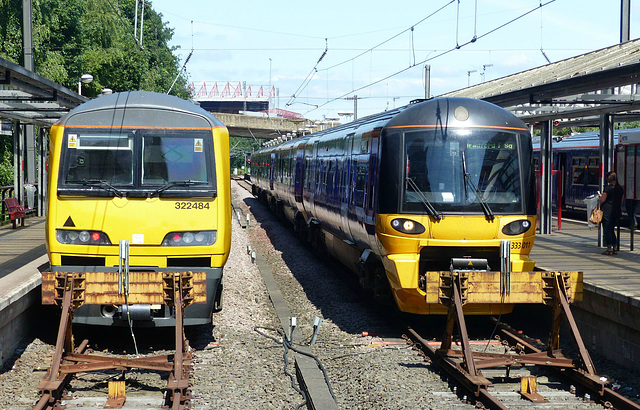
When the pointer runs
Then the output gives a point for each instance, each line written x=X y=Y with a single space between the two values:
x=16 y=211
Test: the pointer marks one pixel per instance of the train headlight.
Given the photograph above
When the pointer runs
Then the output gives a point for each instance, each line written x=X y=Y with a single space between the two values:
x=186 y=238
x=516 y=227
x=86 y=237
x=407 y=226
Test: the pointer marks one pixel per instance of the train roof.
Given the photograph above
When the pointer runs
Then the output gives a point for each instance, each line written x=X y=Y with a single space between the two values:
x=420 y=112
x=589 y=139
x=140 y=108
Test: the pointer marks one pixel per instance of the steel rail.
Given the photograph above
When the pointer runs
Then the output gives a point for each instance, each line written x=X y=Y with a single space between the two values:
x=580 y=377
x=479 y=390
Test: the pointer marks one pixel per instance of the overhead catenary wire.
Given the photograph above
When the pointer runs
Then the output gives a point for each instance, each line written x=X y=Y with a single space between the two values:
x=315 y=70
x=125 y=24
x=310 y=75
x=457 y=47
x=389 y=39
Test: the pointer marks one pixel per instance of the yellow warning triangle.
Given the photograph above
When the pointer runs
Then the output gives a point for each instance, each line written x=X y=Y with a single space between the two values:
x=470 y=263
x=198 y=144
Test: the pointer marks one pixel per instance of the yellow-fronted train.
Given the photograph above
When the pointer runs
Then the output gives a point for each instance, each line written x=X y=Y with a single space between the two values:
x=149 y=172
x=402 y=196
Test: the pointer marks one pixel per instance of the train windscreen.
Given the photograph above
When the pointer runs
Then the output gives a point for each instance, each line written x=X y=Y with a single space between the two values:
x=462 y=171
x=158 y=161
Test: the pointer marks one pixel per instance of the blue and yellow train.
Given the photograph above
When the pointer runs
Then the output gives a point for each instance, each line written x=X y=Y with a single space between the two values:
x=398 y=195
x=138 y=179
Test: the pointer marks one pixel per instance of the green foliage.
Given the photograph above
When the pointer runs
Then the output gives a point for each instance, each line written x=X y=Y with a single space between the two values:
x=627 y=125
x=6 y=169
x=241 y=149
x=75 y=37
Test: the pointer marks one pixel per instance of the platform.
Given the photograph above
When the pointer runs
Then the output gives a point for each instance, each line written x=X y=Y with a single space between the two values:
x=22 y=252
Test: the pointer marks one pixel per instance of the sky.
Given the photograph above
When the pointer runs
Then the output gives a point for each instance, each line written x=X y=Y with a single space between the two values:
x=319 y=55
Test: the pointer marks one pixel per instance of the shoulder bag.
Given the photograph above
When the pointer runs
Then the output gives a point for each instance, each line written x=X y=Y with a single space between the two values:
x=596 y=215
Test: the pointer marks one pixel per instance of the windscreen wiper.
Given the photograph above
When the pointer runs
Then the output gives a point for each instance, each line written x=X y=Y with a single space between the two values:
x=424 y=199
x=468 y=181
x=171 y=184
x=103 y=184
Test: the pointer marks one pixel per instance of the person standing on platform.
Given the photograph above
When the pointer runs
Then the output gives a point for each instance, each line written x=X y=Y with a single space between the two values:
x=611 y=205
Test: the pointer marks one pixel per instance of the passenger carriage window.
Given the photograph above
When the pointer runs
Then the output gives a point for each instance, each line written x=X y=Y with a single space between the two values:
x=593 y=171
x=578 y=165
x=637 y=178
x=361 y=178
x=307 y=171
x=331 y=179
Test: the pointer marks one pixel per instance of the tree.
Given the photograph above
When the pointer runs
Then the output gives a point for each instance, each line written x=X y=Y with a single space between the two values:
x=76 y=37
x=241 y=149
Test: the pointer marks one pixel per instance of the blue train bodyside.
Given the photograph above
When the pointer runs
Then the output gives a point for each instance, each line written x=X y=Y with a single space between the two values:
x=577 y=160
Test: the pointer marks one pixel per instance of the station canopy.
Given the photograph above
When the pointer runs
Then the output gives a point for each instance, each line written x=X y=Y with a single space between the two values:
x=574 y=92
x=32 y=99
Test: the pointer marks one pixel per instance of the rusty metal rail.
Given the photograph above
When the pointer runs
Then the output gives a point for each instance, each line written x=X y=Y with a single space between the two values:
x=178 y=289
x=465 y=365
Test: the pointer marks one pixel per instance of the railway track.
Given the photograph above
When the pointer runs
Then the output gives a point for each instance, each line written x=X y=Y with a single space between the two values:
x=521 y=381
x=358 y=366
x=517 y=373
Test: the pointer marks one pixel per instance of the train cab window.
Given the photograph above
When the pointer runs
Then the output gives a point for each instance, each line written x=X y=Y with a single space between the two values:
x=169 y=159
x=136 y=163
x=98 y=157
x=459 y=170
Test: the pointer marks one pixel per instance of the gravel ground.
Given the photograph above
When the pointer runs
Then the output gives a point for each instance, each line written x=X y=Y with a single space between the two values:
x=365 y=372
x=236 y=367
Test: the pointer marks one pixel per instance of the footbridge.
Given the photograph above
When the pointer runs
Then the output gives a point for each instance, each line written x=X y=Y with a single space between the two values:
x=263 y=127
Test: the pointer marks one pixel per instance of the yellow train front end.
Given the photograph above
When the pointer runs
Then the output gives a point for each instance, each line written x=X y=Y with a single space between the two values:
x=148 y=223
x=456 y=198
x=149 y=174
x=415 y=263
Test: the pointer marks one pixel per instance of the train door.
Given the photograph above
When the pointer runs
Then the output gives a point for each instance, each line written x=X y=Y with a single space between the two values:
x=298 y=180
x=578 y=181
x=563 y=177
x=272 y=167
x=370 y=191
x=345 y=189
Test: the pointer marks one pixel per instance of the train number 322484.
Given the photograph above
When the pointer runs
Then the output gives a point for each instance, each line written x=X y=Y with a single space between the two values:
x=192 y=205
